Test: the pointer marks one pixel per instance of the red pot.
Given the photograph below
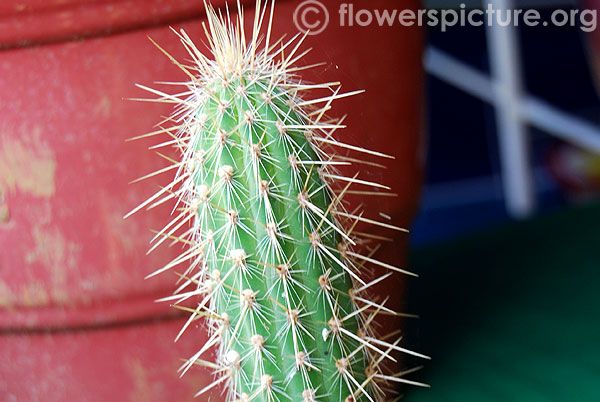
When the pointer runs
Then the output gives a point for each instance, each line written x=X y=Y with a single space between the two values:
x=77 y=320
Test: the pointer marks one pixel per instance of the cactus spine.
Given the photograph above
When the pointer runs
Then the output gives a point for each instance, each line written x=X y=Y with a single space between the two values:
x=271 y=253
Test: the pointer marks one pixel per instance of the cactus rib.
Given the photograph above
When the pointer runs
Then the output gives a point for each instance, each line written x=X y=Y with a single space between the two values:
x=272 y=255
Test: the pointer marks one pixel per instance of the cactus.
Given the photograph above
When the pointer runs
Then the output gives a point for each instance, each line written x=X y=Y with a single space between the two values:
x=272 y=260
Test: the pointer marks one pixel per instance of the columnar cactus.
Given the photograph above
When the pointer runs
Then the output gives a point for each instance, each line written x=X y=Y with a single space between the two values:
x=272 y=260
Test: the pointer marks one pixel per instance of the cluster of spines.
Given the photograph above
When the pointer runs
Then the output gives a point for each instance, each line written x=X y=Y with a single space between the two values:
x=272 y=254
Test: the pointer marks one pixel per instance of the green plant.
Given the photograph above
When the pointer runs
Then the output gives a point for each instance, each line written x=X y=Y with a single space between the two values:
x=272 y=253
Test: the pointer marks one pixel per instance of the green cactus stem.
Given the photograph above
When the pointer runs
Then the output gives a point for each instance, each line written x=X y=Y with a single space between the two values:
x=272 y=260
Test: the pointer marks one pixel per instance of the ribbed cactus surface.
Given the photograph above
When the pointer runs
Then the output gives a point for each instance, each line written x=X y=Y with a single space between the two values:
x=272 y=262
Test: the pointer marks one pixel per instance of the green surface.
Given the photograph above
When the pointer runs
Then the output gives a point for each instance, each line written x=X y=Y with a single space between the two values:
x=512 y=315
x=263 y=246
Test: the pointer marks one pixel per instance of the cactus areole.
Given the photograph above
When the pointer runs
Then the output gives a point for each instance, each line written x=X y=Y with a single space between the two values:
x=271 y=258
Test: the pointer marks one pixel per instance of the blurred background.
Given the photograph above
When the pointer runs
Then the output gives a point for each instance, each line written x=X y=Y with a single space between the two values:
x=467 y=168
x=506 y=237
x=496 y=133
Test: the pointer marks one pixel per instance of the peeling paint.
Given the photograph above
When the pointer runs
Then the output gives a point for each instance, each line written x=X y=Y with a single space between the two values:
x=198 y=379
x=59 y=296
x=4 y=213
x=27 y=163
x=58 y=255
x=125 y=232
x=34 y=294
x=7 y=297
x=103 y=107
x=143 y=390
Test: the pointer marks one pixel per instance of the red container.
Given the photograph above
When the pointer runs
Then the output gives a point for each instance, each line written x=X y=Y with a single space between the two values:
x=77 y=320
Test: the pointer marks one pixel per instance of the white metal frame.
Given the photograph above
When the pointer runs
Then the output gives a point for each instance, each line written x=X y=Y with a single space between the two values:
x=515 y=109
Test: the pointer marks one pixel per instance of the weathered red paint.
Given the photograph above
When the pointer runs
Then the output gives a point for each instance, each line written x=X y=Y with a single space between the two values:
x=77 y=320
x=43 y=21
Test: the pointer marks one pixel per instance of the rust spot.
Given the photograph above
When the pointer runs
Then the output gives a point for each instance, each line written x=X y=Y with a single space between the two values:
x=27 y=164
